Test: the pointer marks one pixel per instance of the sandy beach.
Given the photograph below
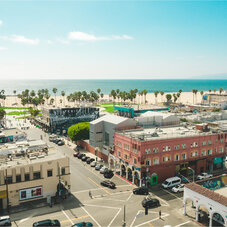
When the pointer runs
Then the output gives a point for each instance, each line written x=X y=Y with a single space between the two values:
x=185 y=98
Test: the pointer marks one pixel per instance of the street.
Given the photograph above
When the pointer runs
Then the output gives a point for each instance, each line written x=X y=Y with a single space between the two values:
x=106 y=207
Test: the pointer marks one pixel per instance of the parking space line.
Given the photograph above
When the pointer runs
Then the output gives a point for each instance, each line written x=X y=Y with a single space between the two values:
x=91 y=216
x=172 y=194
x=182 y=224
x=91 y=205
x=98 y=185
x=67 y=216
x=114 y=217
x=129 y=197
x=85 y=216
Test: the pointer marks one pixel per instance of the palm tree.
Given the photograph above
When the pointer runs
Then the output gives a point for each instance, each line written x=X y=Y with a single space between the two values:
x=168 y=97
x=175 y=97
x=156 y=95
x=180 y=91
x=220 y=90
x=51 y=101
x=201 y=93
x=145 y=93
x=209 y=90
x=214 y=90
x=55 y=91
x=162 y=93
x=14 y=92
x=196 y=95
x=63 y=95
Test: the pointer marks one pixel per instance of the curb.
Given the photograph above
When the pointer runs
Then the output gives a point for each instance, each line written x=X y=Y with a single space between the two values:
x=124 y=179
x=198 y=223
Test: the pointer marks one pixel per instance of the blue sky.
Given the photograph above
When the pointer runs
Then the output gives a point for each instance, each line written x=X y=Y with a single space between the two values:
x=112 y=39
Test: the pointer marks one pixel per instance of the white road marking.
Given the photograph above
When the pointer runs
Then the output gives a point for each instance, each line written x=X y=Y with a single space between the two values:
x=182 y=224
x=129 y=197
x=91 y=216
x=87 y=190
x=117 y=193
x=114 y=217
x=172 y=194
x=67 y=216
x=25 y=219
x=91 y=205
x=134 y=219
x=119 y=200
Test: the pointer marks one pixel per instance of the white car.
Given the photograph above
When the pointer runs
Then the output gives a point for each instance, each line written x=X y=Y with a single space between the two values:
x=5 y=221
x=178 y=188
x=103 y=170
x=204 y=176
x=93 y=164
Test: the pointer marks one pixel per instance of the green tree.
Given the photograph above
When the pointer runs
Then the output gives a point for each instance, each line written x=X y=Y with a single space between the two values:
x=79 y=131
x=145 y=93
x=63 y=95
x=168 y=97
x=214 y=90
x=162 y=93
x=220 y=90
x=55 y=91
x=156 y=95
x=2 y=114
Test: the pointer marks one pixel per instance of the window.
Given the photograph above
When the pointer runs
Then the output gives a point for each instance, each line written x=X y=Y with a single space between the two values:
x=119 y=153
x=155 y=161
x=134 y=160
x=125 y=156
x=221 y=150
x=183 y=156
x=126 y=147
x=183 y=146
x=135 y=150
x=176 y=147
x=63 y=171
x=216 y=150
x=176 y=158
x=18 y=178
x=209 y=142
x=210 y=152
x=204 y=143
x=221 y=140
x=147 y=151
x=49 y=173
x=164 y=148
x=148 y=162
x=36 y=175
x=27 y=177
x=9 y=180
x=203 y=153
x=194 y=154
x=155 y=150
x=119 y=143
x=166 y=159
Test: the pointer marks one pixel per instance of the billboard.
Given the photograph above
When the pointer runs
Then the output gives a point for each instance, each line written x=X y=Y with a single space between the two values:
x=30 y=193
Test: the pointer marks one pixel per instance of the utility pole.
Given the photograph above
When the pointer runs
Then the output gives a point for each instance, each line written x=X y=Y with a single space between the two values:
x=7 y=192
x=59 y=181
x=124 y=221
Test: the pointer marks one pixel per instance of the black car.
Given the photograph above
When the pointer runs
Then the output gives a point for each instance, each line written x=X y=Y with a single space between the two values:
x=60 y=143
x=55 y=141
x=108 y=174
x=108 y=184
x=47 y=222
x=98 y=167
x=84 y=158
x=76 y=154
x=150 y=203
x=140 y=191
x=89 y=160
x=80 y=156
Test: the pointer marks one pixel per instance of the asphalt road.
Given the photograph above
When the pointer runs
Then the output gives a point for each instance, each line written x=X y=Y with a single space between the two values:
x=106 y=207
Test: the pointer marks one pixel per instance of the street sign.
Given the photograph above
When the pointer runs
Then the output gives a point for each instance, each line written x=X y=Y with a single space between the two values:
x=139 y=215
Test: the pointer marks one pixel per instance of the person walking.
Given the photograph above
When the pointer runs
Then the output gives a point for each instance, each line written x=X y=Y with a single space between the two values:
x=160 y=214
x=90 y=194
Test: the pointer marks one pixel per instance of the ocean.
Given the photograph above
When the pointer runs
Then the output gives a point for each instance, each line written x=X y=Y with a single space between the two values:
x=106 y=86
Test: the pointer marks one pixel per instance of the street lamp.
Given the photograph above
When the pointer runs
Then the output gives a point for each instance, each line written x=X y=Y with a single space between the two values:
x=193 y=172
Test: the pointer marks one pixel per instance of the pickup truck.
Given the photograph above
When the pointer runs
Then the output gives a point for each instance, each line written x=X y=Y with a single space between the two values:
x=204 y=176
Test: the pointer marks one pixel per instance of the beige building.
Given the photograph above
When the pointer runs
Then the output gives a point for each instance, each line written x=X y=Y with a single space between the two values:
x=32 y=174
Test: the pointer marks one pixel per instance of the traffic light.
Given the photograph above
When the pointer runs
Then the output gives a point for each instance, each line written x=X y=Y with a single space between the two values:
x=146 y=210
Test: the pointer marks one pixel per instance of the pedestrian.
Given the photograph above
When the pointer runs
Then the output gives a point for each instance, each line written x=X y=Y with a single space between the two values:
x=160 y=214
x=90 y=194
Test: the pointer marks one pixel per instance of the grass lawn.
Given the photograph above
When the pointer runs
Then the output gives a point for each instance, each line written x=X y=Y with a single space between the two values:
x=13 y=108
x=109 y=109
x=17 y=113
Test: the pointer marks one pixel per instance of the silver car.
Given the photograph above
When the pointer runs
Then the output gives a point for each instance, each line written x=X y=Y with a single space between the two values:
x=93 y=164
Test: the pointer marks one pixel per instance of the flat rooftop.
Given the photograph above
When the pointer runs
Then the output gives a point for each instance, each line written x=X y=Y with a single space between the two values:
x=34 y=157
x=163 y=133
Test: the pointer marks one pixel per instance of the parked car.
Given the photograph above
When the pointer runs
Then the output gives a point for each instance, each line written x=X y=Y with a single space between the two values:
x=83 y=224
x=108 y=184
x=80 y=156
x=171 y=182
x=84 y=158
x=89 y=160
x=103 y=170
x=47 y=222
x=150 y=203
x=178 y=188
x=55 y=140
x=76 y=154
x=61 y=143
x=5 y=221
x=108 y=174
x=93 y=164
x=141 y=191
x=204 y=176
x=98 y=167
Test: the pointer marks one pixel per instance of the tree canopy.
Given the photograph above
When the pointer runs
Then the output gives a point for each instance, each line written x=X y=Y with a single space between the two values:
x=79 y=131
x=2 y=114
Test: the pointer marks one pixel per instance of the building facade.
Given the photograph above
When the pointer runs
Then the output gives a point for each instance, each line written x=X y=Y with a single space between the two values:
x=33 y=175
x=149 y=156
x=58 y=120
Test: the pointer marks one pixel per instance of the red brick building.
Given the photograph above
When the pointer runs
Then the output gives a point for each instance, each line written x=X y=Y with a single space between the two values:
x=165 y=152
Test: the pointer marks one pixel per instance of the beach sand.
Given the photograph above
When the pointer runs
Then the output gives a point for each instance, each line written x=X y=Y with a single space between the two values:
x=185 y=98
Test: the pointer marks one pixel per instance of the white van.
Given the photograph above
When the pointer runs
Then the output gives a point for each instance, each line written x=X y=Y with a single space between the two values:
x=171 y=182
x=5 y=221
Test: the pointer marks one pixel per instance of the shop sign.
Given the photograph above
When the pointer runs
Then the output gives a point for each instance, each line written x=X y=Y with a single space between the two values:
x=30 y=193
x=3 y=194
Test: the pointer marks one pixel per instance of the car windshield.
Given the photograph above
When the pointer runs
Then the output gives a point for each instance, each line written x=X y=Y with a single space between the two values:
x=165 y=182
